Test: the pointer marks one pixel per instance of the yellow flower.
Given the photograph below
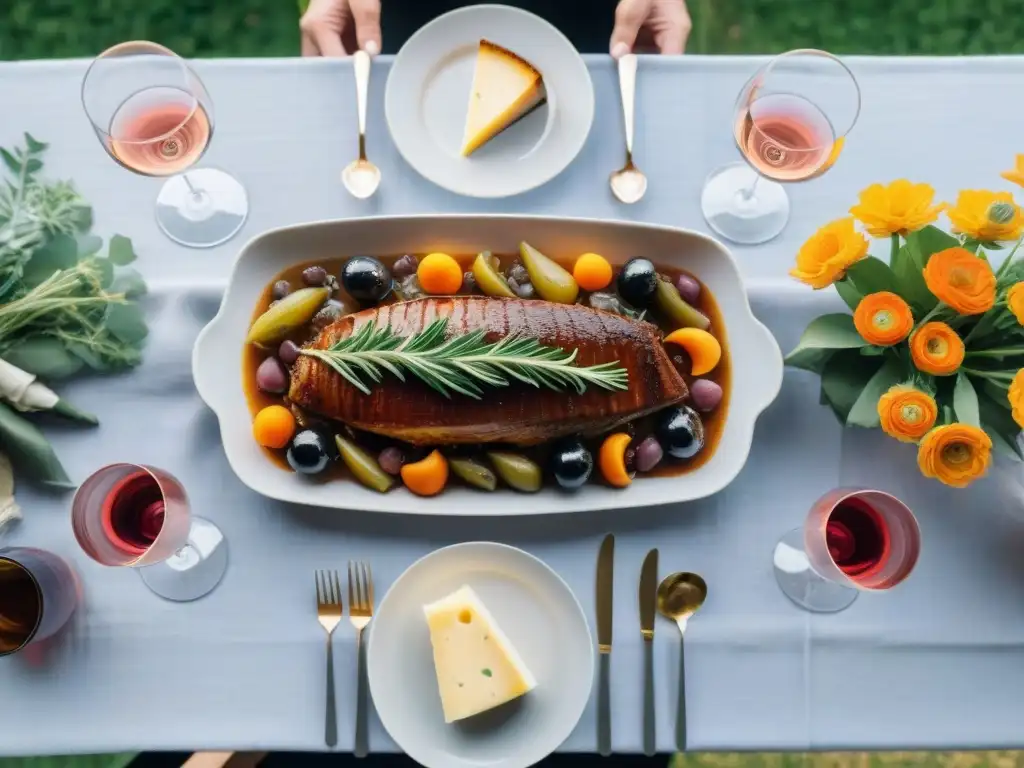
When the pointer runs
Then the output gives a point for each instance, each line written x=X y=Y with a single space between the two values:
x=1016 y=175
x=936 y=349
x=1016 y=397
x=900 y=207
x=955 y=454
x=883 y=319
x=962 y=280
x=829 y=252
x=1015 y=301
x=907 y=413
x=986 y=216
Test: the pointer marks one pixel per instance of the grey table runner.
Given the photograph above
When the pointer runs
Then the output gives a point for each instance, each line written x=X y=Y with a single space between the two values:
x=937 y=663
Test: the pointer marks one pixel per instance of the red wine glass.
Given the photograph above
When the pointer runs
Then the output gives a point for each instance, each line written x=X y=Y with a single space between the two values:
x=854 y=539
x=154 y=116
x=38 y=594
x=789 y=122
x=138 y=516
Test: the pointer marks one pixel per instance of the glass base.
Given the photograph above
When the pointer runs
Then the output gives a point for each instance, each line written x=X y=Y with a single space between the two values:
x=801 y=584
x=195 y=569
x=736 y=217
x=202 y=208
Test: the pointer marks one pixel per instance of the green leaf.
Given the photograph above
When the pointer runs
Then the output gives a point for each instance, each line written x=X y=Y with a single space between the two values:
x=34 y=146
x=63 y=408
x=29 y=451
x=998 y=423
x=928 y=241
x=12 y=163
x=965 y=401
x=911 y=281
x=129 y=282
x=872 y=351
x=872 y=275
x=824 y=335
x=120 y=250
x=89 y=245
x=864 y=412
x=82 y=217
x=843 y=379
x=60 y=252
x=848 y=292
x=126 y=322
x=43 y=356
x=69 y=761
x=87 y=356
x=33 y=166
x=106 y=269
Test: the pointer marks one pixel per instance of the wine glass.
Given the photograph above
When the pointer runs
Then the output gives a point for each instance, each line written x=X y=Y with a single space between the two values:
x=38 y=594
x=154 y=116
x=790 y=122
x=138 y=516
x=853 y=539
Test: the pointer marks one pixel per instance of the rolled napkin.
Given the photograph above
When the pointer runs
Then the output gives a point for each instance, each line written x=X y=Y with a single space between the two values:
x=25 y=393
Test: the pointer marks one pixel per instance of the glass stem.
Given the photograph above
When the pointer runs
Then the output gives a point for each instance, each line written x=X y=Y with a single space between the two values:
x=748 y=192
x=197 y=193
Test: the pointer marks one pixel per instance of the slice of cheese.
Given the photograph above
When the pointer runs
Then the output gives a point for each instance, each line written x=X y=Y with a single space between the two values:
x=477 y=667
x=505 y=88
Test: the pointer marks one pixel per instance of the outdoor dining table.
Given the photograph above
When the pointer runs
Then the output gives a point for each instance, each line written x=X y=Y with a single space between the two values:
x=936 y=663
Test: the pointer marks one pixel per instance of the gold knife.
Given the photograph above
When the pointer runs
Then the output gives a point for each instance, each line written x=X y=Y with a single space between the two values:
x=605 y=581
x=648 y=597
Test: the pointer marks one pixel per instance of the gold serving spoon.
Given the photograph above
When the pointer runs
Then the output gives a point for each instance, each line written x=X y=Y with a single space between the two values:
x=680 y=595
x=628 y=183
x=361 y=177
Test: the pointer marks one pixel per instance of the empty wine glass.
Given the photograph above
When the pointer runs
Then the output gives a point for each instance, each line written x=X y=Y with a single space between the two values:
x=853 y=539
x=138 y=516
x=154 y=116
x=790 y=122
x=38 y=594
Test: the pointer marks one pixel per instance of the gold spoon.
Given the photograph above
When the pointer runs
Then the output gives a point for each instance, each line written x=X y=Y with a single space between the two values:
x=679 y=597
x=628 y=183
x=361 y=177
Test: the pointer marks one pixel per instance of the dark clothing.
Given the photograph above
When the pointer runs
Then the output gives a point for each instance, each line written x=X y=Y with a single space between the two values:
x=587 y=23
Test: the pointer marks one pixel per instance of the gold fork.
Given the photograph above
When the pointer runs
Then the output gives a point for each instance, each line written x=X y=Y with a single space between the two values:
x=329 y=612
x=360 y=602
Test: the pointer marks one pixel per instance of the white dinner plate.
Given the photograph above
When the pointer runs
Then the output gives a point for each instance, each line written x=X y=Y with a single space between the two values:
x=428 y=93
x=542 y=619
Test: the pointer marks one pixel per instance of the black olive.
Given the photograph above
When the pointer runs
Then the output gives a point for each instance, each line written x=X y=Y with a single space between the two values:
x=637 y=282
x=680 y=432
x=309 y=452
x=571 y=463
x=366 y=279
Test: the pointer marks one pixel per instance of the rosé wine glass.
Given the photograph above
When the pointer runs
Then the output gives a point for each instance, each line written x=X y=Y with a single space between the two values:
x=38 y=594
x=138 y=516
x=789 y=122
x=854 y=539
x=154 y=116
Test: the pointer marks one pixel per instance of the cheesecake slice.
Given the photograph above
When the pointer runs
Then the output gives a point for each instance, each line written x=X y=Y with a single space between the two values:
x=477 y=667
x=505 y=89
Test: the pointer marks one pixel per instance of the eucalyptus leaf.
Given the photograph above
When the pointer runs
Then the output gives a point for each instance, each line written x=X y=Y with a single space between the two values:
x=120 y=250
x=822 y=336
x=44 y=356
x=911 y=282
x=129 y=282
x=87 y=356
x=33 y=166
x=965 y=401
x=864 y=412
x=34 y=145
x=872 y=275
x=844 y=377
x=89 y=245
x=12 y=163
x=928 y=241
x=996 y=419
x=29 y=450
x=125 y=321
x=60 y=252
x=848 y=292
x=106 y=268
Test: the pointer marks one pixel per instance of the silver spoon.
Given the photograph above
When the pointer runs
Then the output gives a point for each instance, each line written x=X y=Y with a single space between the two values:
x=361 y=177
x=628 y=183
x=679 y=597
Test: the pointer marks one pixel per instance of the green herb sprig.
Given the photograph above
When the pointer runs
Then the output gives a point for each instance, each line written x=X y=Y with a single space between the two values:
x=463 y=363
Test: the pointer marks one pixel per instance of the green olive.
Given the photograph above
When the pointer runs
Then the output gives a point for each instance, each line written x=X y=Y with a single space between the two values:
x=673 y=308
x=287 y=316
x=474 y=473
x=517 y=470
x=486 y=270
x=549 y=279
x=363 y=466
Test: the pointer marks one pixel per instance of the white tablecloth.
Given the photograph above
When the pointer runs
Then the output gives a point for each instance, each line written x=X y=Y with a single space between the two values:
x=937 y=663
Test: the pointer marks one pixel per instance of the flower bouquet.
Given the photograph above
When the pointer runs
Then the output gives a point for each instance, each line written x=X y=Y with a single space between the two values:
x=934 y=350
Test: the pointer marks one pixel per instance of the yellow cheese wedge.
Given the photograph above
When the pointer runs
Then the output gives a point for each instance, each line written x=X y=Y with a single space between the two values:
x=477 y=667
x=505 y=88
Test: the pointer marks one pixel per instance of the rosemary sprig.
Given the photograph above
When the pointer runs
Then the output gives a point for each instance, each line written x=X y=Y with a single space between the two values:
x=463 y=363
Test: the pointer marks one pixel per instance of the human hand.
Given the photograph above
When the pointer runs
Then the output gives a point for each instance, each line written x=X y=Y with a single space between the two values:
x=660 y=24
x=340 y=27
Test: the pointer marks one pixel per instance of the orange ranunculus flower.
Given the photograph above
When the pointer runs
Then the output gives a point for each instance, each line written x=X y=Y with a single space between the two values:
x=899 y=207
x=883 y=319
x=907 y=413
x=955 y=454
x=935 y=348
x=962 y=280
x=1017 y=174
x=829 y=252
x=1016 y=397
x=986 y=216
x=1015 y=301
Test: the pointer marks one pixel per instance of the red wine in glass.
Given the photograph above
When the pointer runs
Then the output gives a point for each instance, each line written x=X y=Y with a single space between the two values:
x=38 y=595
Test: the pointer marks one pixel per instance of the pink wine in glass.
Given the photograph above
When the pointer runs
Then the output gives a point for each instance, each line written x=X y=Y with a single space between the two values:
x=159 y=132
x=785 y=137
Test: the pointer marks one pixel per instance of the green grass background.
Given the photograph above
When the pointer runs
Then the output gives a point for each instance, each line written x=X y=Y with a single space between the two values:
x=31 y=29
